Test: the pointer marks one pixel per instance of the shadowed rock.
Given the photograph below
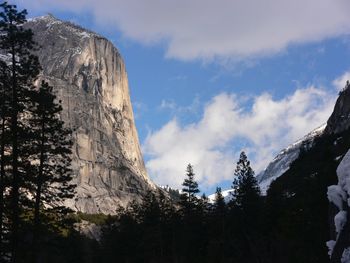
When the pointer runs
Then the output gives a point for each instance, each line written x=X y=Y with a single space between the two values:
x=340 y=119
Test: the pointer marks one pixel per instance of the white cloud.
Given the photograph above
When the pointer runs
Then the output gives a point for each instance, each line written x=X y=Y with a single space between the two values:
x=175 y=109
x=262 y=130
x=207 y=29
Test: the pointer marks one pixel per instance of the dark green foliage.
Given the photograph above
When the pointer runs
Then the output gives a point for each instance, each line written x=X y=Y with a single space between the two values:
x=246 y=191
x=219 y=205
x=190 y=188
x=4 y=143
x=141 y=233
x=173 y=193
x=245 y=208
x=50 y=158
x=35 y=148
x=97 y=219
x=21 y=69
x=217 y=228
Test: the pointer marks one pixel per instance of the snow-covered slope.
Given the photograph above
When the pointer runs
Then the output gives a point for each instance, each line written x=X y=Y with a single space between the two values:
x=280 y=164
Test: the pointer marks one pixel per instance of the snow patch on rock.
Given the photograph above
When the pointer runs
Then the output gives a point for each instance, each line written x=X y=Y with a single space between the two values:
x=339 y=196
x=340 y=220
x=284 y=159
x=346 y=256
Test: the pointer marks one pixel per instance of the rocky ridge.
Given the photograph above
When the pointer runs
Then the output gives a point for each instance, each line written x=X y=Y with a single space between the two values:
x=281 y=163
x=340 y=119
x=89 y=77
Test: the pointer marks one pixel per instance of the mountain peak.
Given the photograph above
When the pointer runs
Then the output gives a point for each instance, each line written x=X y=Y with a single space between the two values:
x=340 y=119
x=50 y=22
x=47 y=17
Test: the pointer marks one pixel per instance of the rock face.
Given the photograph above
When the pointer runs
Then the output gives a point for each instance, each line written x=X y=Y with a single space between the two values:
x=281 y=163
x=90 y=79
x=340 y=119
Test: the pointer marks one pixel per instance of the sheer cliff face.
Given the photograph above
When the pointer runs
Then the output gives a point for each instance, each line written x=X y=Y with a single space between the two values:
x=340 y=119
x=89 y=77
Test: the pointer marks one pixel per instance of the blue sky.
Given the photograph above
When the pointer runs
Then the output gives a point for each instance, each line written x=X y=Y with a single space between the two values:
x=211 y=78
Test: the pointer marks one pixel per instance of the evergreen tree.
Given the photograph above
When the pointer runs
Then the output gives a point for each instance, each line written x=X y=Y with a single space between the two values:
x=192 y=232
x=246 y=191
x=219 y=202
x=23 y=68
x=203 y=205
x=168 y=222
x=35 y=147
x=245 y=210
x=4 y=118
x=51 y=149
x=217 y=228
x=188 y=198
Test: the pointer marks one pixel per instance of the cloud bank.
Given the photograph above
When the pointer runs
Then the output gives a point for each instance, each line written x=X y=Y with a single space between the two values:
x=207 y=30
x=262 y=129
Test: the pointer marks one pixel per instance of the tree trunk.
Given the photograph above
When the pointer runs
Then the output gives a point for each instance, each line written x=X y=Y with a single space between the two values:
x=2 y=178
x=38 y=193
x=15 y=183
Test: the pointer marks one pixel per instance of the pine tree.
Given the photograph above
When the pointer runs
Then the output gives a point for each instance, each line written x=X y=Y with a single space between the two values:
x=217 y=227
x=219 y=202
x=168 y=220
x=151 y=216
x=245 y=209
x=192 y=234
x=23 y=68
x=50 y=151
x=188 y=198
x=4 y=118
x=246 y=191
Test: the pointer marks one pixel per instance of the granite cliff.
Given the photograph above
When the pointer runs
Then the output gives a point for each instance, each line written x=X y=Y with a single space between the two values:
x=89 y=77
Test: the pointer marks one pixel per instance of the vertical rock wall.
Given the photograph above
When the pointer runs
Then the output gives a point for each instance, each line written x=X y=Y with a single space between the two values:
x=90 y=79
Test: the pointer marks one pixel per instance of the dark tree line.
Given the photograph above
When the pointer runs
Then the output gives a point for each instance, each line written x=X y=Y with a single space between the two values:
x=192 y=230
x=289 y=224
x=35 y=148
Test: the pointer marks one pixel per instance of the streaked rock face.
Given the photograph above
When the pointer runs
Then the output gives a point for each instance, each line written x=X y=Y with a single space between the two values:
x=89 y=76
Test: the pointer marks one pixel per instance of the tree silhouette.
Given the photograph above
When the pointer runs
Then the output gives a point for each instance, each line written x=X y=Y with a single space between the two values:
x=245 y=187
x=23 y=68
x=188 y=197
x=50 y=153
x=245 y=208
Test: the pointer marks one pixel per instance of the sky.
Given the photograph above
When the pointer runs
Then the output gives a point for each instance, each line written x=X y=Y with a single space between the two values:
x=209 y=79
